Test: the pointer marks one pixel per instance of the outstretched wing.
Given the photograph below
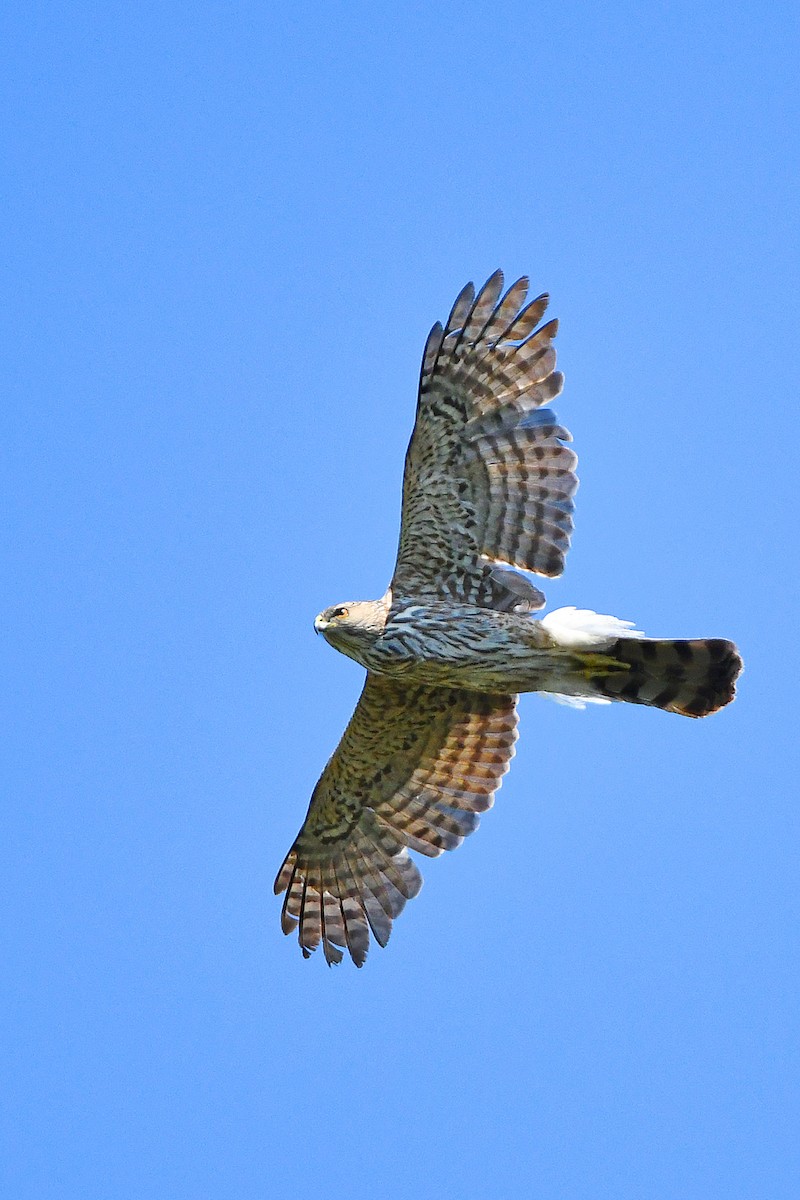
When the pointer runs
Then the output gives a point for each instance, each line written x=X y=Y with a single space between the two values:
x=414 y=768
x=488 y=478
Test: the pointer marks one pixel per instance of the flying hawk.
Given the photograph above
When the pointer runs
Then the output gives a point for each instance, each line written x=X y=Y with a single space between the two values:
x=488 y=487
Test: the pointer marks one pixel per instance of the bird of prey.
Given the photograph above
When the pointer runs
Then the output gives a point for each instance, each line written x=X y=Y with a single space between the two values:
x=487 y=493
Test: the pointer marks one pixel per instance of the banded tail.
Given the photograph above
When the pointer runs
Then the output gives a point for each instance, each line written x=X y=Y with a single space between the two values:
x=691 y=677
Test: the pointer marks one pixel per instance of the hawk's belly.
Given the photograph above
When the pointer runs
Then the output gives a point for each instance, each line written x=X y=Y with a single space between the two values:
x=451 y=645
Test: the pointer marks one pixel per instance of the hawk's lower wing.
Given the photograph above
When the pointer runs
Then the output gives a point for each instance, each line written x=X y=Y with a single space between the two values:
x=488 y=477
x=414 y=768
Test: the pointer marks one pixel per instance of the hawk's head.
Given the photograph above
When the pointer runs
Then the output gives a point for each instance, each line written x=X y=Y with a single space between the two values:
x=354 y=627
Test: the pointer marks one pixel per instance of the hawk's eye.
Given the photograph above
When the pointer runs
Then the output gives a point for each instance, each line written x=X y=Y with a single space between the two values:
x=339 y=612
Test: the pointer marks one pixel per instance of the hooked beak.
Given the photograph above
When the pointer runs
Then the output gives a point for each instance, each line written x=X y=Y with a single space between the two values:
x=320 y=624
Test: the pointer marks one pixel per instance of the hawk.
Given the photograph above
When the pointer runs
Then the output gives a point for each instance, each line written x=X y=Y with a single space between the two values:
x=487 y=492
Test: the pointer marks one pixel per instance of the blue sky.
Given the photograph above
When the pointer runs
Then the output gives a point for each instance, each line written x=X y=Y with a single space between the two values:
x=228 y=231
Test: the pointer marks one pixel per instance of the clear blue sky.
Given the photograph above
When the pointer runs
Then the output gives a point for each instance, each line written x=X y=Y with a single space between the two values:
x=228 y=229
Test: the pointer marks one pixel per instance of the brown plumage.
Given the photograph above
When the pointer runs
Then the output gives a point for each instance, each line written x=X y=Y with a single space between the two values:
x=488 y=487
x=415 y=768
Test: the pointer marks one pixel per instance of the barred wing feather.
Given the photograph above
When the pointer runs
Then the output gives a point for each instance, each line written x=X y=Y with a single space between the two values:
x=488 y=478
x=414 y=769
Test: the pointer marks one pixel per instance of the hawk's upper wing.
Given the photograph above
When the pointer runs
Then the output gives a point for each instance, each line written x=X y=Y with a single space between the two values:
x=414 y=768
x=487 y=476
